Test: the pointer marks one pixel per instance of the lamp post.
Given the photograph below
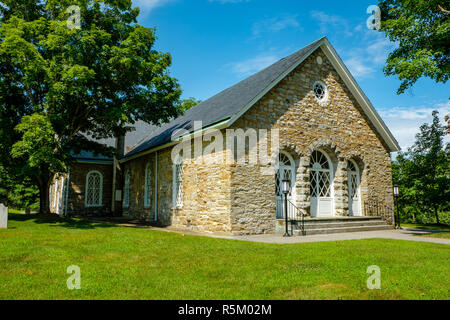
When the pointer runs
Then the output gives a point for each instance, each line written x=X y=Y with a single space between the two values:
x=286 y=188
x=397 y=218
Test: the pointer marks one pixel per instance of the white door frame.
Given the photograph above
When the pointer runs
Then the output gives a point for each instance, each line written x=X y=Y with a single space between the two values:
x=358 y=192
x=292 y=195
x=331 y=198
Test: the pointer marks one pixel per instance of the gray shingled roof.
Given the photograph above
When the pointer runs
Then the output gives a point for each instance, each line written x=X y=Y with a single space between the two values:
x=223 y=105
x=141 y=131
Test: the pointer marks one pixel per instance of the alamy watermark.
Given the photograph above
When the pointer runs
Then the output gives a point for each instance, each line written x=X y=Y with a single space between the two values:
x=374 y=281
x=211 y=146
x=374 y=21
x=74 y=20
x=74 y=281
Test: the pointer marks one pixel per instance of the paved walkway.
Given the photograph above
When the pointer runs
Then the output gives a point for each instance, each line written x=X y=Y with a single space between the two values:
x=404 y=234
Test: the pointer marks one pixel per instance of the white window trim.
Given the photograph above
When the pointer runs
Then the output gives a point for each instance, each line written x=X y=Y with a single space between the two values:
x=358 y=177
x=326 y=98
x=175 y=188
x=50 y=197
x=55 y=193
x=331 y=171
x=87 y=190
x=126 y=189
x=147 y=186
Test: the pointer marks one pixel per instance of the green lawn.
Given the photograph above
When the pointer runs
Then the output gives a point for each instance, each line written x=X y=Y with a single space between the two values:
x=439 y=227
x=131 y=263
x=445 y=235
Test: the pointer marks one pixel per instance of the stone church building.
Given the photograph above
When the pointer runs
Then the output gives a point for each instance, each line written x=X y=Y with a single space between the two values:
x=333 y=148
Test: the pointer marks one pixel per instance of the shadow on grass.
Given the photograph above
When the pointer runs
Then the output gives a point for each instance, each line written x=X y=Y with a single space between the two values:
x=55 y=221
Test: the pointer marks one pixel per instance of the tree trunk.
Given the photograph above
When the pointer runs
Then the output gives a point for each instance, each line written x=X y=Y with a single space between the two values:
x=44 y=203
x=437 y=215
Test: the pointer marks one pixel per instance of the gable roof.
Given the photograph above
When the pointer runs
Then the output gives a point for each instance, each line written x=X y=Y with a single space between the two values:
x=132 y=138
x=227 y=106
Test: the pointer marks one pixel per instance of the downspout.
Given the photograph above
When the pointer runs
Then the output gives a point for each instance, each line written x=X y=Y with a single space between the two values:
x=113 y=202
x=67 y=193
x=156 y=186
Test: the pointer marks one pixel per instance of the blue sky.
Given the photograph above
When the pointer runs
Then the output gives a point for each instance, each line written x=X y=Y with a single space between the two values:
x=216 y=43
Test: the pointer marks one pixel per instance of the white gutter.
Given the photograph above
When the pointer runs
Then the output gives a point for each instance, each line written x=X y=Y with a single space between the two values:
x=113 y=202
x=220 y=125
x=156 y=186
x=67 y=193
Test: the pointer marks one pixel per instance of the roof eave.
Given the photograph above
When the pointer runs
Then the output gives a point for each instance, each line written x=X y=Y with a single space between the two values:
x=349 y=80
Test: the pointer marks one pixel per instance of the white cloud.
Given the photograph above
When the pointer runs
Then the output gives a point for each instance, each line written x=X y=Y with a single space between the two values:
x=358 y=68
x=371 y=49
x=404 y=122
x=378 y=49
x=363 y=62
x=333 y=22
x=275 y=24
x=253 y=65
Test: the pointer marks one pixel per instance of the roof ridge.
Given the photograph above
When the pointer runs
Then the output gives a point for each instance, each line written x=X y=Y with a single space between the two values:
x=224 y=104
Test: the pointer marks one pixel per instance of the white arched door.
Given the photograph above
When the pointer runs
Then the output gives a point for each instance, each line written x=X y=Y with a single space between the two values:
x=354 y=186
x=286 y=170
x=321 y=191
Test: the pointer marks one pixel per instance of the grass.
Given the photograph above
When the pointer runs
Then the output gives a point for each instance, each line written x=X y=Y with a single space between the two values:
x=438 y=227
x=434 y=227
x=131 y=263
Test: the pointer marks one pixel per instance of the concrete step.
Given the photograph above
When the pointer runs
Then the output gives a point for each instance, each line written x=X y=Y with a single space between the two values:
x=334 y=225
x=310 y=232
x=340 y=219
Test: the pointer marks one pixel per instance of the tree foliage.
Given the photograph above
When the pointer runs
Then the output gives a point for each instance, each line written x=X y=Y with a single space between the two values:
x=95 y=81
x=189 y=103
x=423 y=173
x=421 y=28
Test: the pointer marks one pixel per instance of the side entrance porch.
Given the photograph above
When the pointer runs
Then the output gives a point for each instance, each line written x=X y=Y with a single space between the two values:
x=328 y=195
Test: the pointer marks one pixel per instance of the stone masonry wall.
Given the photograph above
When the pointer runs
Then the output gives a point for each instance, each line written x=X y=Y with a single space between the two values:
x=239 y=199
x=340 y=128
x=78 y=173
x=206 y=199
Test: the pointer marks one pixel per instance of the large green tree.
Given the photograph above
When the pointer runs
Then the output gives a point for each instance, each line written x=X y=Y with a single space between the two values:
x=96 y=80
x=421 y=28
x=423 y=172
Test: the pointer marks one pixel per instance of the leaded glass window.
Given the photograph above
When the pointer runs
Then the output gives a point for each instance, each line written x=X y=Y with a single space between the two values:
x=178 y=185
x=284 y=173
x=353 y=181
x=320 y=175
x=148 y=186
x=94 y=189
x=320 y=91
x=126 y=190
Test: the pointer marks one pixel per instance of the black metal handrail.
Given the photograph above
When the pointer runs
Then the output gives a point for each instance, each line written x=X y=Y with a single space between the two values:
x=295 y=215
x=376 y=208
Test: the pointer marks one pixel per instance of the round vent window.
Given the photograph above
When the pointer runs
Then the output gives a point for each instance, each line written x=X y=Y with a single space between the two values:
x=320 y=91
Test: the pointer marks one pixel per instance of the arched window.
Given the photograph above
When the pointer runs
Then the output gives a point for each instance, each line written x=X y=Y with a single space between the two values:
x=354 y=182
x=286 y=170
x=50 y=195
x=55 y=194
x=94 y=189
x=321 y=185
x=148 y=186
x=126 y=190
x=178 y=185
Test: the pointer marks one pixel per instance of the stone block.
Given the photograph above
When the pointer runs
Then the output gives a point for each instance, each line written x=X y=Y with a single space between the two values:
x=3 y=217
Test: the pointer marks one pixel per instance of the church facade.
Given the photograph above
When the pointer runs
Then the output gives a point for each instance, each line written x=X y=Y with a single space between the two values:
x=330 y=144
